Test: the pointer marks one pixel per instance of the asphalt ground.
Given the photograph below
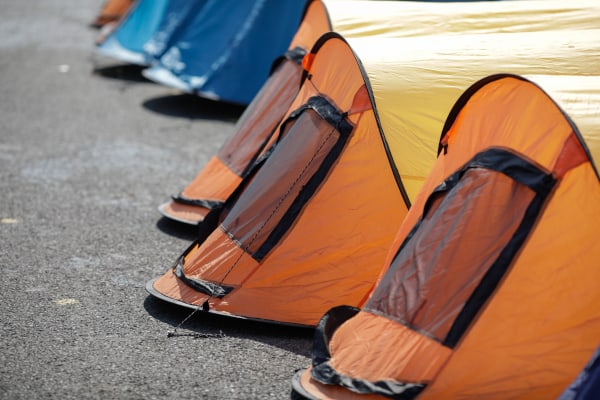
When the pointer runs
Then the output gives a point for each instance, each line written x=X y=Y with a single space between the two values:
x=88 y=150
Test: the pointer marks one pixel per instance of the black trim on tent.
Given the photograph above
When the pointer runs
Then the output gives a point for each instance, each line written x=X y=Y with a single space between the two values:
x=337 y=120
x=305 y=75
x=323 y=372
x=209 y=204
x=295 y=55
x=505 y=162
x=325 y=329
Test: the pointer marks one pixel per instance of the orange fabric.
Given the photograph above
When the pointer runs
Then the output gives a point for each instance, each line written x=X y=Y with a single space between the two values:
x=222 y=175
x=262 y=205
x=330 y=392
x=112 y=11
x=344 y=80
x=219 y=259
x=168 y=285
x=215 y=182
x=361 y=101
x=313 y=25
x=572 y=155
x=256 y=130
x=433 y=277
x=183 y=212
x=369 y=356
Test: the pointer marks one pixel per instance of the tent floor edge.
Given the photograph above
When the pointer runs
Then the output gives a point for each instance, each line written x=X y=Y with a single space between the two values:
x=298 y=392
x=160 y=296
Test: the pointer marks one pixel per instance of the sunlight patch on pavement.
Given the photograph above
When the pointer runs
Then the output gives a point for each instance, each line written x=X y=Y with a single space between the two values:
x=66 y=302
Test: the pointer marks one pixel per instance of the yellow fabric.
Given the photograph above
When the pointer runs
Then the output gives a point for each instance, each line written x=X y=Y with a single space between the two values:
x=421 y=56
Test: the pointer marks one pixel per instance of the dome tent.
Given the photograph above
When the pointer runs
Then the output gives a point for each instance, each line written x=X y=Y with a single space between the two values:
x=496 y=260
x=327 y=195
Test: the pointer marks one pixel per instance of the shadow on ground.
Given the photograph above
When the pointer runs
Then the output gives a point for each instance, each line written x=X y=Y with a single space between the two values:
x=201 y=324
x=183 y=105
x=177 y=229
x=180 y=104
x=123 y=72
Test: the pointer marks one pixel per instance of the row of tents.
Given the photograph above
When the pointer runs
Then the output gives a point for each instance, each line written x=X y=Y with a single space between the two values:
x=415 y=180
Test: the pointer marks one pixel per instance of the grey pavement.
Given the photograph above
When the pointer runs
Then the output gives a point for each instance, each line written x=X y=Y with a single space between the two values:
x=88 y=150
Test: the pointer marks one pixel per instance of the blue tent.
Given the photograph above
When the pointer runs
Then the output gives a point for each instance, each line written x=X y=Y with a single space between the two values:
x=225 y=51
x=220 y=49
x=175 y=17
x=148 y=20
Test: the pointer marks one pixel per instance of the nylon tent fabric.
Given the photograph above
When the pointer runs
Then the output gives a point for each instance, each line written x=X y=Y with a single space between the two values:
x=430 y=52
x=254 y=130
x=327 y=195
x=112 y=11
x=490 y=286
x=225 y=51
x=421 y=56
x=179 y=14
x=147 y=22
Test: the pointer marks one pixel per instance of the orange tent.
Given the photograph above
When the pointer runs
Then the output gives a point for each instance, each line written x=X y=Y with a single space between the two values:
x=112 y=11
x=491 y=288
x=254 y=132
x=309 y=227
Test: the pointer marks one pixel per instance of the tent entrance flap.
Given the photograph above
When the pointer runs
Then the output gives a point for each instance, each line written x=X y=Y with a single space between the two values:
x=510 y=193
x=311 y=140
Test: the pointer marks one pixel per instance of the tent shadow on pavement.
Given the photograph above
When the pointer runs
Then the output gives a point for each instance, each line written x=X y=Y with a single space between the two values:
x=185 y=105
x=202 y=325
x=124 y=72
x=177 y=229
